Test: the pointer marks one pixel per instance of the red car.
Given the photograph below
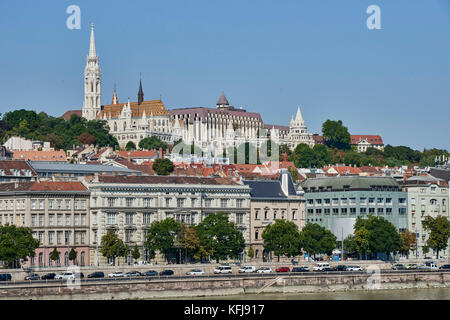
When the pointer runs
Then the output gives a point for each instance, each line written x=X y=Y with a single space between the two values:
x=283 y=269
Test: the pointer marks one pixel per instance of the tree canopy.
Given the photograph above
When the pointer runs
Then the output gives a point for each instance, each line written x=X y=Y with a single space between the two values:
x=220 y=237
x=282 y=238
x=16 y=243
x=152 y=142
x=315 y=239
x=336 y=135
x=113 y=246
x=163 y=167
x=162 y=236
x=439 y=232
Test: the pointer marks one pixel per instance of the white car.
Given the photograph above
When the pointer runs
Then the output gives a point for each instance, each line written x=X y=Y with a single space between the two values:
x=264 y=270
x=65 y=276
x=195 y=272
x=117 y=274
x=321 y=266
x=429 y=265
x=247 y=269
x=354 y=268
x=223 y=269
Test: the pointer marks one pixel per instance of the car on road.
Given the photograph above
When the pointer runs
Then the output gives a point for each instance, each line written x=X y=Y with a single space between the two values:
x=328 y=269
x=320 y=266
x=247 y=269
x=166 y=272
x=412 y=266
x=96 y=274
x=5 y=277
x=354 y=268
x=445 y=267
x=398 y=266
x=117 y=274
x=300 y=269
x=341 y=267
x=48 y=276
x=195 y=272
x=223 y=269
x=132 y=274
x=264 y=270
x=68 y=275
x=283 y=269
x=429 y=265
x=151 y=273
x=33 y=276
x=79 y=275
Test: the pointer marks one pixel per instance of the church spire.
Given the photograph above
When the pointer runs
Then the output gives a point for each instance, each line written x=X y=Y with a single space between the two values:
x=140 y=92
x=114 y=99
x=92 y=52
x=298 y=117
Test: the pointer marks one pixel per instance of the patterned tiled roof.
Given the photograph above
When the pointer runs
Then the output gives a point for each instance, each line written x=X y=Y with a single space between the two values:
x=372 y=139
x=152 y=106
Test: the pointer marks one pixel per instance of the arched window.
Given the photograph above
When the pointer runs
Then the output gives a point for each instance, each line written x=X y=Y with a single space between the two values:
x=66 y=258
x=433 y=201
x=124 y=126
x=256 y=234
x=41 y=259
x=82 y=258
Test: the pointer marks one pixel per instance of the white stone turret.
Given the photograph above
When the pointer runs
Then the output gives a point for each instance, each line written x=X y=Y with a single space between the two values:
x=92 y=82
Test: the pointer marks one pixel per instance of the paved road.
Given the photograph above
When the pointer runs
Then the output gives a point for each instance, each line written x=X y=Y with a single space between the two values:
x=212 y=276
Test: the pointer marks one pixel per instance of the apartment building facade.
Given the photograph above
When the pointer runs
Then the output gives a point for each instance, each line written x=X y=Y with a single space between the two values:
x=129 y=204
x=58 y=214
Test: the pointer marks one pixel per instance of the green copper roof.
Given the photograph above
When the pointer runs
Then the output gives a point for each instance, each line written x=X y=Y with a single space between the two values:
x=351 y=182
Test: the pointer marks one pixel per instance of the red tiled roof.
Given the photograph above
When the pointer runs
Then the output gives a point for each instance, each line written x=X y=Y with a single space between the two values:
x=344 y=170
x=66 y=116
x=40 y=155
x=8 y=165
x=43 y=186
x=372 y=139
x=138 y=154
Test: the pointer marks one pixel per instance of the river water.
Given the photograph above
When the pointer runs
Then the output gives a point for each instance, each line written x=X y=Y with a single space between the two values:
x=394 y=294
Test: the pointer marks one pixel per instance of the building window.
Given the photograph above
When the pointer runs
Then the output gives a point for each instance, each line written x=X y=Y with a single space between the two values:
x=41 y=259
x=76 y=219
x=67 y=219
x=59 y=204
x=41 y=237
x=352 y=210
x=50 y=237
x=239 y=218
x=129 y=217
x=388 y=210
x=67 y=237
x=371 y=210
x=41 y=220
x=266 y=215
x=59 y=237
x=59 y=220
x=129 y=202
x=294 y=215
x=256 y=234
x=208 y=203
x=111 y=218
x=50 y=219
x=318 y=211
x=33 y=220
x=82 y=258
x=33 y=205
x=371 y=200
x=224 y=203
x=66 y=258
x=83 y=219
x=83 y=205
x=380 y=210
x=129 y=235
x=180 y=202
x=240 y=203
x=75 y=205
x=147 y=218
x=256 y=215
x=50 y=204
x=362 y=210
x=111 y=202
x=167 y=202
x=67 y=204
x=402 y=211
x=344 y=211
x=147 y=202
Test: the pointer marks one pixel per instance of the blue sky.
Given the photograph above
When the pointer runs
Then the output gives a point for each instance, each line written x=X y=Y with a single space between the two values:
x=267 y=56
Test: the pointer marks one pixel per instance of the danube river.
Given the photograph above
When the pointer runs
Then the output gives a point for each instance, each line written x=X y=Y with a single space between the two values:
x=402 y=294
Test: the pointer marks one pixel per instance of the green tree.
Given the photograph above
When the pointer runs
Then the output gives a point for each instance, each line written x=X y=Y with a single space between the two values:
x=335 y=135
x=315 y=239
x=408 y=242
x=130 y=146
x=112 y=246
x=162 y=235
x=135 y=253
x=72 y=255
x=16 y=243
x=439 y=232
x=191 y=244
x=251 y=252
x=350 y=247
x=303 y=156
x=54 y=255
x=362 y=241
x=282 y=238
x=220 y=237
x=163 y=167
x=152 y=142
x=382 y=235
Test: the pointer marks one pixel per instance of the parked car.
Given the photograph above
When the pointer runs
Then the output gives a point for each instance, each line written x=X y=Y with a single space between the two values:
x=354 y=268
x=264 y=270
x=247 y=269
x=33 y=276
x=166 y=272
x=151 y=273
x=195 y=272
x=283 y=269
x=223 y=269
x=97 y=274
x=300 y=269
x=48 y=276
x=79 y=275
x=328 y=269
x=444 y=267
x=398 y=266
x=132 y=274
x=320 y=266
x=412 y=266
x=429 y=265
x=116 y=274
x=65 y=276
x=341 y=267
x=5 y=277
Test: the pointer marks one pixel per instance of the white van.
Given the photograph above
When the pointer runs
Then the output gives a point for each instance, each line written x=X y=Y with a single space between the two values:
x=223 y=269
x=247 y=269
x=320 y=266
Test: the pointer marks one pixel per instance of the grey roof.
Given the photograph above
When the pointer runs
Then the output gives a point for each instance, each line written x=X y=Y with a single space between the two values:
x=353 y=182
x=424 y=178
x=40 y=166
x=270 y=188
x=440 y=173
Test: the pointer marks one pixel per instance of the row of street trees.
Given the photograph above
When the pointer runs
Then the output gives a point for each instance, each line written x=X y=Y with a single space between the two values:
x=214 y=237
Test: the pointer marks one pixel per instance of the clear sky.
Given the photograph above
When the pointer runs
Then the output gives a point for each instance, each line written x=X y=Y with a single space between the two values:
x=267 y=56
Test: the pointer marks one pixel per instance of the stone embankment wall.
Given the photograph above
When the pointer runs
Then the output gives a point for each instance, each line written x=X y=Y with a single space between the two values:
x=175 y=288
